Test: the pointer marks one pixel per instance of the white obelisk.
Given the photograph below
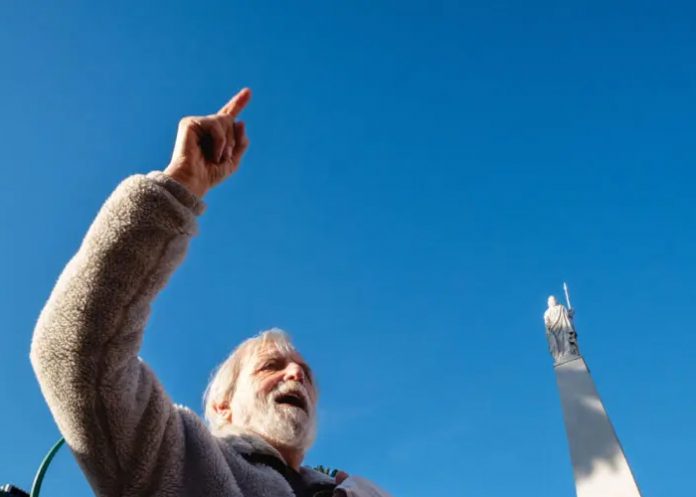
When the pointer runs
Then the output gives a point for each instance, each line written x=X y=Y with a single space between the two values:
x=599 y=464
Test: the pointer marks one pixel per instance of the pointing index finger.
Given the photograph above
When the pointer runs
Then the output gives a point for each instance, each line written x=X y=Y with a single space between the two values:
x=236 y=103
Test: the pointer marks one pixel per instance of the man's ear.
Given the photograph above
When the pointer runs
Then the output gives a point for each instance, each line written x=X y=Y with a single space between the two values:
x=223 y=410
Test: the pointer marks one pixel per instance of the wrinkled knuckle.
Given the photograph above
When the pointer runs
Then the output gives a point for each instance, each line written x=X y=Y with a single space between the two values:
x=223 y=121
x=187 y=122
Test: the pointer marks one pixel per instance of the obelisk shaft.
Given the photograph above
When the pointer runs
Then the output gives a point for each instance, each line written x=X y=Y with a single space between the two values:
x=598 y=460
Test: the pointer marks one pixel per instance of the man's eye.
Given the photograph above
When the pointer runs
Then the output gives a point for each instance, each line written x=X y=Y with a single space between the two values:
x=271 y=365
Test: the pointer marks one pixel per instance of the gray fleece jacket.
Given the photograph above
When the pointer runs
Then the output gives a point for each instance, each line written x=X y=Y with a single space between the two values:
x=127 y=435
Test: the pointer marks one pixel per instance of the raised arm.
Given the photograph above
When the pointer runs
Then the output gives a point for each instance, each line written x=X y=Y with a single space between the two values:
x=109 y=406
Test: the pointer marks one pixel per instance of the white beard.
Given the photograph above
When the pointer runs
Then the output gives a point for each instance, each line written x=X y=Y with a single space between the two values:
x=279 y=424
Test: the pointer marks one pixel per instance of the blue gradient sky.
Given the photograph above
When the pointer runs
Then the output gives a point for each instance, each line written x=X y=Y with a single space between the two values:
x=421 y=176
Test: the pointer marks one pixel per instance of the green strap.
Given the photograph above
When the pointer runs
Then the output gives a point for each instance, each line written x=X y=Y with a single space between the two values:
x=38 y=479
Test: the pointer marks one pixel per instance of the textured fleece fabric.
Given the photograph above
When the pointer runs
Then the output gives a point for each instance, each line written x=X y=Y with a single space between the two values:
x=127 y=435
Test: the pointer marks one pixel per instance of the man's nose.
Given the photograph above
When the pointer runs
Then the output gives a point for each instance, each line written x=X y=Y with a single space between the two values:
x=294 y=372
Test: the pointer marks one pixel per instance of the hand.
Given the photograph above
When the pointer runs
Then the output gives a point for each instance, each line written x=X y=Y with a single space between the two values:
x=208 y=149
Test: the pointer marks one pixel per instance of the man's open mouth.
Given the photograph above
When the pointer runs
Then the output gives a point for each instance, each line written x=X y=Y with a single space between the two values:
x=292 y=399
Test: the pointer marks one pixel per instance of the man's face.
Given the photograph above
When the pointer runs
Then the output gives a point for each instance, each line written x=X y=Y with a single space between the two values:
x=275 y=397
x=552 y=301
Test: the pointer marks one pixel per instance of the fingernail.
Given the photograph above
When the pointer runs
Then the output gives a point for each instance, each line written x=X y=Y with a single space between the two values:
x=228 y=153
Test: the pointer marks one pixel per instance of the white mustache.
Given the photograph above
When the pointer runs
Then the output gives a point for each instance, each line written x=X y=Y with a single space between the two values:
x=294 y=387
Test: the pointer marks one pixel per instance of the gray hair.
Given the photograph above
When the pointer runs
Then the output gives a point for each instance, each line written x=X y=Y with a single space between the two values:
x=224 y=378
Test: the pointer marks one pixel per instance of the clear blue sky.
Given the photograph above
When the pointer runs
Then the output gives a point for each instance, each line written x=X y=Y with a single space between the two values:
x=421 y=176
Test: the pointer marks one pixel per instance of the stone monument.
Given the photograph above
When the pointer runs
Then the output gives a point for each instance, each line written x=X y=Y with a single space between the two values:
x=599 y=464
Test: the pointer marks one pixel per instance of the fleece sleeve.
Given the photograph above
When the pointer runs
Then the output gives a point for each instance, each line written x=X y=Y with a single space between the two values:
x=109 y=406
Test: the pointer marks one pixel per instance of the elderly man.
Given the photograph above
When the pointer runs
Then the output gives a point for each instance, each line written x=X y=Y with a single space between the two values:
x=125 y=432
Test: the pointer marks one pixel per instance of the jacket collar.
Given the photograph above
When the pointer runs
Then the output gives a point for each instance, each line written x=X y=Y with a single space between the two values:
x=251 y=446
